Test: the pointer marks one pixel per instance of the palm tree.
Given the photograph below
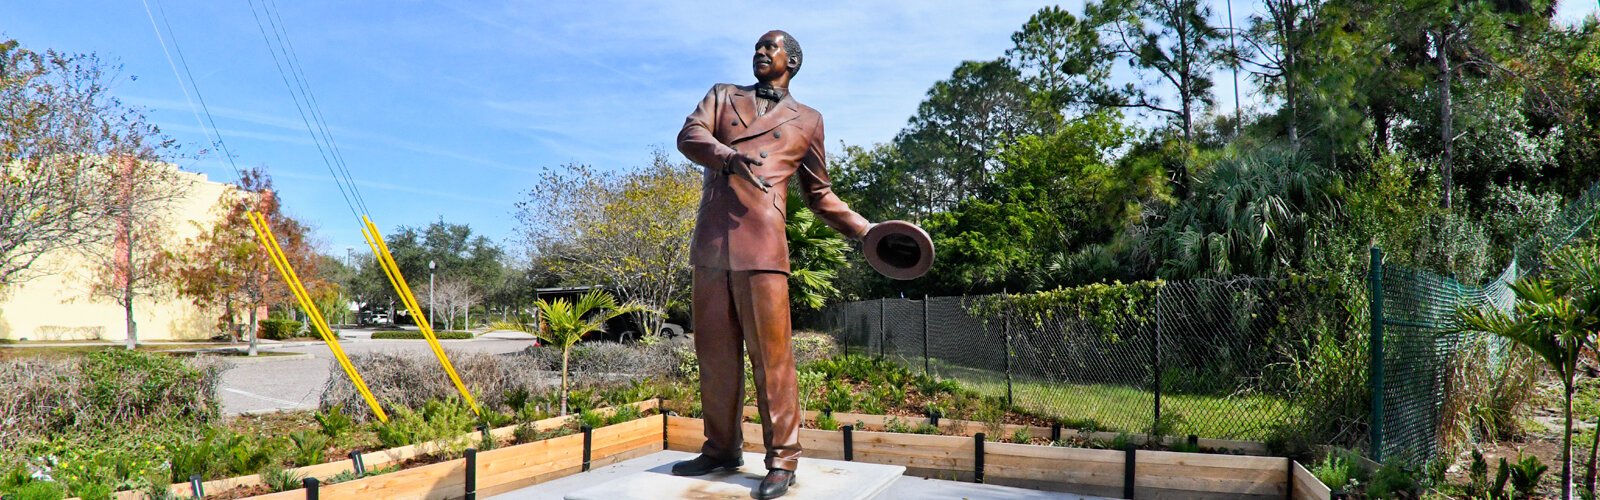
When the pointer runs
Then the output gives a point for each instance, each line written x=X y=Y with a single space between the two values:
x=816 y=252
x=1556 y=316
x=566 y=323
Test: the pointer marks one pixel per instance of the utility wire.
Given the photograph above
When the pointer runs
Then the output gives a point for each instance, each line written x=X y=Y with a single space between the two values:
x=303 y=118
x=204 y=130
x=297 y=72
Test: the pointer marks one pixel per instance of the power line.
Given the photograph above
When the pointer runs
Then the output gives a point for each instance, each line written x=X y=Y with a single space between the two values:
x=297 y=71
x=203 y=129
x=321 y=151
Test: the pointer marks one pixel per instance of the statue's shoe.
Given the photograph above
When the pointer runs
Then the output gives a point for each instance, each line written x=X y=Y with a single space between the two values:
x=702 y=465
x=775 y=484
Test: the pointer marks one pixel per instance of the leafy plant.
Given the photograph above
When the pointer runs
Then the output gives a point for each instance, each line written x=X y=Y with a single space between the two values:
x=592 y=419
x=1556 y=315
x=1337 y=470
x=894 y=424
x=623 y=414
x=279 y=479
x=308 y=447
x=826 y=422
x=245 y=455
x=1392 y=480
x=1123 y=441
x=565 y=323
x=517 y=398
x=1525 y=474
x=1022 y=435
x=1477 y=476
x=839 y=398
x=333 y=422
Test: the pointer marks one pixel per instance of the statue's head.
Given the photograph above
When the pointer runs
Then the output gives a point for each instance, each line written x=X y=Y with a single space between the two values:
x=777 y=57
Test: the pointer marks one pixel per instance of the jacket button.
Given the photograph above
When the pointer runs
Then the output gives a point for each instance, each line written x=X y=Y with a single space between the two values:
x=777 y=135
x=763 y=154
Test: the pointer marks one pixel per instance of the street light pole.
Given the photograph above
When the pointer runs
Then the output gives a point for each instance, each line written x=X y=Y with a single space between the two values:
x=430 y=292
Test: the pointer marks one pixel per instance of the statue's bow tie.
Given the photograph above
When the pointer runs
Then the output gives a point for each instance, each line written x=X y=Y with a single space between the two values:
x=770 y=94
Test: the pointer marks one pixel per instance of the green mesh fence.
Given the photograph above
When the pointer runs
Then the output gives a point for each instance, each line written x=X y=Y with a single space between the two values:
x=1417 y=310
x=1210 y=361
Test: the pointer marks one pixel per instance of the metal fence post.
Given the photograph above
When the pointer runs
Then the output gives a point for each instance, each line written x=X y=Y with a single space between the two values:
x=1375 y=352
x=1005 y=329
x=1155 y=359
x=925 y=300
x=883 y=332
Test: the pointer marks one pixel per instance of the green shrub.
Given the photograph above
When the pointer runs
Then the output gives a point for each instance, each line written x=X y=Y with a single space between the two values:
x=839 y=398
x=927 y=428
x=1525 y=474
x=127 y=386
x=826 y=422
x=623 y=414
x=1337 y=470
x=277 y=329
x=243 y=455
x=1392 y=481
x=279 y=479
x=308 y=447
x=437 y=420
x=334 y=422
x=38 y=490
x=592 y=419
x=1022 y=436
x=894 y=424
x=417 y=335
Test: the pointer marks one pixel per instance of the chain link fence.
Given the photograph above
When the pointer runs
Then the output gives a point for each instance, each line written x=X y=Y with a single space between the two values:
x=1201 y=357
x=1423 y=357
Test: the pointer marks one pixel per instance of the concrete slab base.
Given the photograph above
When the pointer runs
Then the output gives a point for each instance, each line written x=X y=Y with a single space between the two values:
x=650 y=477
x=815 y=479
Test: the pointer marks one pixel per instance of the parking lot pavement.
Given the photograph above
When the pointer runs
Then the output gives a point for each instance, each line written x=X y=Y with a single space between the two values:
x=295 y=384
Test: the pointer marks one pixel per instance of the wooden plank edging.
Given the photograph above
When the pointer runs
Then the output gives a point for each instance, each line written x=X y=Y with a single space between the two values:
x=971 y=427
x=381 y=458
x=1307 y=486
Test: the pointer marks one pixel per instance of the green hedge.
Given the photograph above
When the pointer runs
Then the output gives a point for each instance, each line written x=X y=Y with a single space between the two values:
x=417 y=335
x=278 y=329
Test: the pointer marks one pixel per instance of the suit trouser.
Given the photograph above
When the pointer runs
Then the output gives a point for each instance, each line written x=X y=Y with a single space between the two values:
x=733 y=311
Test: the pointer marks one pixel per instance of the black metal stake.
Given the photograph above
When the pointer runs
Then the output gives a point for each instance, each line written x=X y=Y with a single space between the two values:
x=849 y=443
x=1127 y=472
x=977 y=457
x=357 y=464
x=472 y=474
x=197 y=486
x=663 y=431
x=1194 y=442
x=1055 y=432
x=310 y=485
x=588 y=440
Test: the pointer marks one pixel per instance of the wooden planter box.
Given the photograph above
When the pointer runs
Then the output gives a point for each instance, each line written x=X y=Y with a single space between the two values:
x=381 y=458
x=1155 y=474
x=971 y=427
x=1110 y=473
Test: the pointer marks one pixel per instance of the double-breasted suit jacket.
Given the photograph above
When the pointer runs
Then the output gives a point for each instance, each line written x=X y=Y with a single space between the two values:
x=740 y=228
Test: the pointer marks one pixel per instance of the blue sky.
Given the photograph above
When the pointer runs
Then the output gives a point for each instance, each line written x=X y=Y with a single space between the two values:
x=449 y=109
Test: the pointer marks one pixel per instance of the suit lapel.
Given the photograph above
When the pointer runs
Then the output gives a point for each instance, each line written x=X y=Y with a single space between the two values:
x=780 y=113
x=744 y=105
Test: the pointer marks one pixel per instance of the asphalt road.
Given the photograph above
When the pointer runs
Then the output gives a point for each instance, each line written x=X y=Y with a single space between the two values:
x=270 y=384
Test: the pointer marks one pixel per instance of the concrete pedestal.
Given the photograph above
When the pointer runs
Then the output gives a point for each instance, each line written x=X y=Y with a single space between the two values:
x=653 y=479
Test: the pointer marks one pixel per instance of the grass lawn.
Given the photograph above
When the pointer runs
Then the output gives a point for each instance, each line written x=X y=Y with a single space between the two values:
x=1121 y=408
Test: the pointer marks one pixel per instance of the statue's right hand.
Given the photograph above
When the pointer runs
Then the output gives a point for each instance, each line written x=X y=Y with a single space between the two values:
x=743 y=165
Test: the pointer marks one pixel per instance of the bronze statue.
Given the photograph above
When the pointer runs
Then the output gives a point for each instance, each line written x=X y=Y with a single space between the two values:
x=752 y=141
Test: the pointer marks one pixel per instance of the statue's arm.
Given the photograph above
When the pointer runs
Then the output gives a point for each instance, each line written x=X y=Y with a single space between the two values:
x=817 y=191
x=697 y=142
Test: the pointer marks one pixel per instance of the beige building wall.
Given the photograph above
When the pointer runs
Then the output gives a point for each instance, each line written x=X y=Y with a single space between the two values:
x=57 y=306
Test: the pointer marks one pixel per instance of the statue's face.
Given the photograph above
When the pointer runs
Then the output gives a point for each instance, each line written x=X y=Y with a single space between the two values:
x=770 y=60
